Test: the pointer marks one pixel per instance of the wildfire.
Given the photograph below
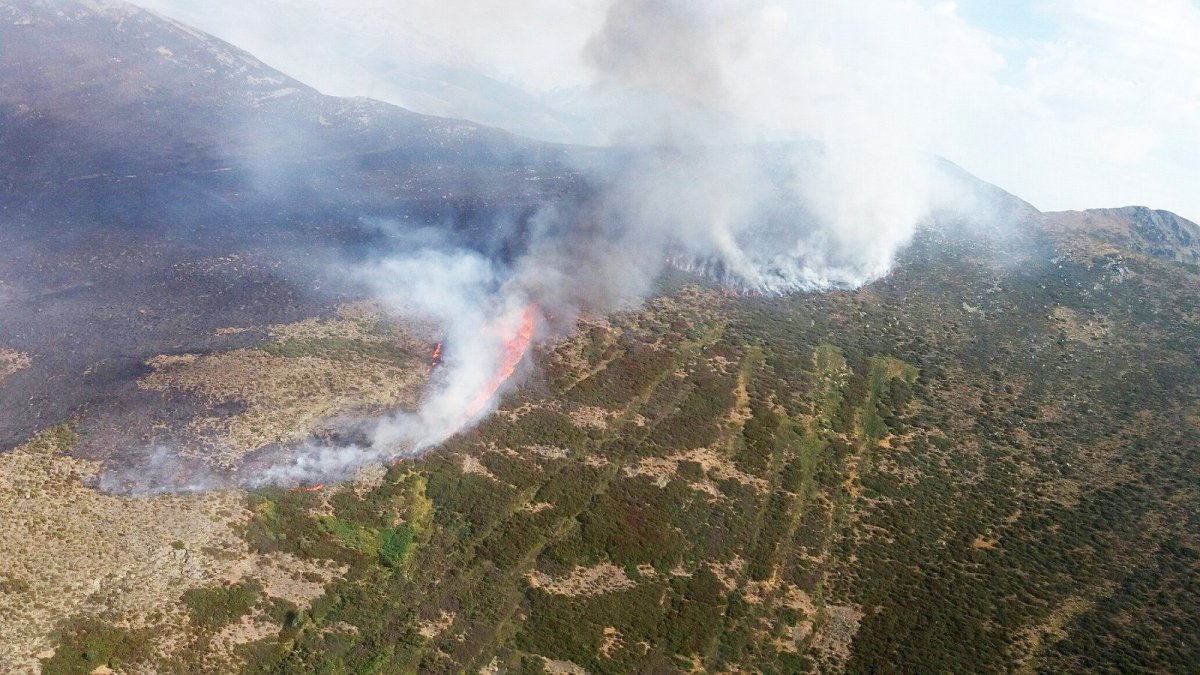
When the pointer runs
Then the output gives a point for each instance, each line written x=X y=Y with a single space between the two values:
x=514 y=352
x=436 y=359
x=314 y=488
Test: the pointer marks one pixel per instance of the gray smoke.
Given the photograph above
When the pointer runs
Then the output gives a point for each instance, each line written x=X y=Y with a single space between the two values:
x=699 y=189
x=461 y=293
x=831 y=212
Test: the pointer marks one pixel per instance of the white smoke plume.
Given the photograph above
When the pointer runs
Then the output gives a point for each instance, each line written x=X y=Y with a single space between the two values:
x=463 y=295
x=827 y=213
x=700 y=190
x=466 y=298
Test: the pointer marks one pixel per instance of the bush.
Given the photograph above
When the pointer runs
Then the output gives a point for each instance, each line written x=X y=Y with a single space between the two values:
x=216 y=607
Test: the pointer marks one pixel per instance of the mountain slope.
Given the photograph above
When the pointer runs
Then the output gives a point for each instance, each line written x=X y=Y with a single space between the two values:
x=983 y=462
x=158 y=184
x=1157 y=233
x=979 y=450
x=102 y=100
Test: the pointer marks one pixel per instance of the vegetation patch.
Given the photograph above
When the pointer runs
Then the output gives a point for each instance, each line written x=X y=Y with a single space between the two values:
x=215 y=607
x=603 y=578
x=87 y=645
x=283 y=390
x=12 y=361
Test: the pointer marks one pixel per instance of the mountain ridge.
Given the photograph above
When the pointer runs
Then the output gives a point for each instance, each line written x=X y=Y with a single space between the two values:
x=167 y=187
x=1155 y=232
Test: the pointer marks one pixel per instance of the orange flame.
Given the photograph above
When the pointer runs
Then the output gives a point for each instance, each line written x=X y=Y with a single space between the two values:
x=436 y=359
x=314 y=488
x=514 y=353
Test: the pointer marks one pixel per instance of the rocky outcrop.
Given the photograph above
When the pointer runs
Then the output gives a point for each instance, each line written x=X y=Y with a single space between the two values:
x=1161 y=234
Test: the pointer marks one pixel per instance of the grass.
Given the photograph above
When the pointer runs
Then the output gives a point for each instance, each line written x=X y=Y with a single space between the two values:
x=336 y=348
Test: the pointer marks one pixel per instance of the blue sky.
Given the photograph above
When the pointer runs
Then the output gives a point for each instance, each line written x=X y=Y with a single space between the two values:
x=1017 y=19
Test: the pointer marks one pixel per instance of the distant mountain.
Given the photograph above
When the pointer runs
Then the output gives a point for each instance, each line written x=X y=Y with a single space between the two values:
x=337 y=49
x=102 y=100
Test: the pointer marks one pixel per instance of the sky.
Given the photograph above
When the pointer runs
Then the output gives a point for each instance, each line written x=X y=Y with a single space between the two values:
x=1068 y=104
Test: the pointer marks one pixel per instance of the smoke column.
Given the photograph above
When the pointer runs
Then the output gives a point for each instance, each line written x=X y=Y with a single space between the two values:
x=488 y=324
x=697 y=187
x=831 y=212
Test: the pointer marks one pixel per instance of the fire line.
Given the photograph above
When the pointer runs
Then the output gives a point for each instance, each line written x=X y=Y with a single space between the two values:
x=514 y=353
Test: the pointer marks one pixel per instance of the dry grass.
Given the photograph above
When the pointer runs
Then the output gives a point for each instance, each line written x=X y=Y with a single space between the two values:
x=714 y=465
x=592 y=417
x=547 y=452
x=431 y=629
x=612 y=642
x=728 y=573
x=252 y=627
x=285 y=398
x=360 y=321
x=67 y=550
x=984 y=543
x=585 y=581
x=832 y=643
x=73 y=551
x=472 y=465
x=553 y=667
x=11 y=362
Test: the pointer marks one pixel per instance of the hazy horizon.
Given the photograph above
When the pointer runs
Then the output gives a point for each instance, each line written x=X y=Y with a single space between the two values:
x=1069 y=104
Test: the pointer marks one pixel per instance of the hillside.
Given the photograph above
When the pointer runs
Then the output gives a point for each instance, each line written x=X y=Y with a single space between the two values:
x=968 y=452
x=983 y=462
x=157 y=185
x=1157 y=233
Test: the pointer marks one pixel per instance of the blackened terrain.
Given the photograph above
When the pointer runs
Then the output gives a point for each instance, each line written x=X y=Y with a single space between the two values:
x=157 y=184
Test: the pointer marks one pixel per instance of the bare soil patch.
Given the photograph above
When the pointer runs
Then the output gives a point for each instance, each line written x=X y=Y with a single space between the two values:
x=11 y=362
x=585 y=581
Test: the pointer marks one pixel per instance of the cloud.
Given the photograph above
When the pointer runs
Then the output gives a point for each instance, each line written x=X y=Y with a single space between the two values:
x=1116 y=98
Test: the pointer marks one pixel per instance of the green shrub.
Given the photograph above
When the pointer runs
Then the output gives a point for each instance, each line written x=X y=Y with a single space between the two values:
x=218 y=606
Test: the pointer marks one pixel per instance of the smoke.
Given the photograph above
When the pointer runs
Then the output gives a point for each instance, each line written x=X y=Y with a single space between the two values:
x=475 y=305
x=693 y=184
x=830 y=212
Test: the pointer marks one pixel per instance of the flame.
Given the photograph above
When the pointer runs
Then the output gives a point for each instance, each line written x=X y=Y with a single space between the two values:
x=514 y=353
x=314 y=488
x=436 y=359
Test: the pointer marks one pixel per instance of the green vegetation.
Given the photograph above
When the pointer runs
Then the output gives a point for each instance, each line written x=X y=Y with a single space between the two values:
x=337 y=348
x=88 y=644
x=216 y=607
x=855 y=481
x=395 y=544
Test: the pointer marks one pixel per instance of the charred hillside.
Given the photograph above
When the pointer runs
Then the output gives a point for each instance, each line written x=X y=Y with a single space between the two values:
x=113 y=113
x=157 y=184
